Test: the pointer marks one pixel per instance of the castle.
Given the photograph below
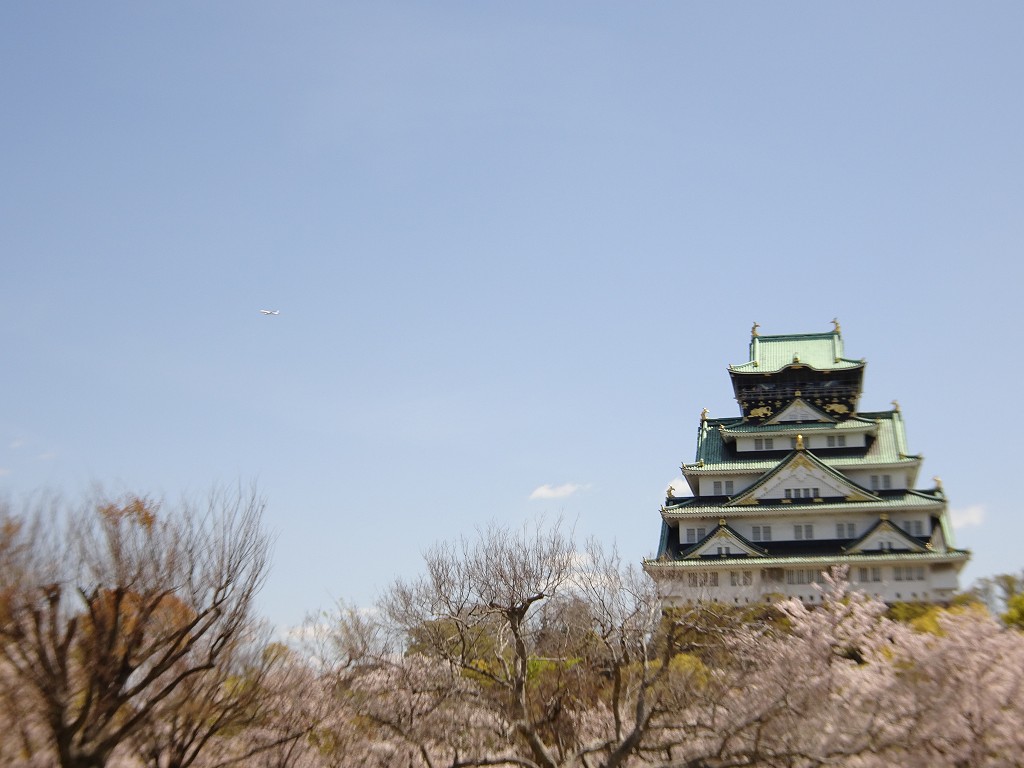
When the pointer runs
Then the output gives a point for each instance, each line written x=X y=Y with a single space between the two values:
x=803 y=480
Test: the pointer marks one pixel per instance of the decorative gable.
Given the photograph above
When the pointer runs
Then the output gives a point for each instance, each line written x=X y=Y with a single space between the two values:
x=802 y=476
x=938 y=541
x=724 y=542
x=800 y=410
x=885 y=537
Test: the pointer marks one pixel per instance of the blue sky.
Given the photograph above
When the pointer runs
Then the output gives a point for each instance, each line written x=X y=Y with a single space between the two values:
x=514 y=245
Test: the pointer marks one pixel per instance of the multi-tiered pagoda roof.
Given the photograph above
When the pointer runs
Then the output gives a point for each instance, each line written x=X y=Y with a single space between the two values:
x=802 y=481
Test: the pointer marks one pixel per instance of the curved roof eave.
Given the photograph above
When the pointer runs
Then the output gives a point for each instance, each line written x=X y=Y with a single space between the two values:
x=911 y=501
x=950 y=556
x=753 y=367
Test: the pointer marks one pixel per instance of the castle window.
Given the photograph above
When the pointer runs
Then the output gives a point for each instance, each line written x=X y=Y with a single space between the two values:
x=881 y=482
x=908 y=573
x=693 y=535
x=736 y=579
x=846 y=530
x=805 y=531
x=865 y=575
x=836 y=441
x=763 y=443
x=702 y=579
x=801 y=493
x=761 y=533
x=718 y=487
x=804 y=576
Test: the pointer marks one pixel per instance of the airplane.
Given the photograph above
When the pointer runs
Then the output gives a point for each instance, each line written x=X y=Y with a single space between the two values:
x=270 y=312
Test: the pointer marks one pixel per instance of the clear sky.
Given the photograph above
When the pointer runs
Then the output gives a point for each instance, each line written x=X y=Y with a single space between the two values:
x=515 y=246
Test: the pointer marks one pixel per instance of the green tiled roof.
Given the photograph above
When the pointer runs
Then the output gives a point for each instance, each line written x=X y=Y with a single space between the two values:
x=950 y=556
x=821 y=351
x=739 y=427
x=889 y=446
x=691 y=507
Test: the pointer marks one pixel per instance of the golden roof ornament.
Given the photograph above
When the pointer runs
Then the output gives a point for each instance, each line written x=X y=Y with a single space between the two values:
x=721 y=522
x=704 y=415
x=670 y=492
x=835 y=322
x=896 y=405
x=753 y=331
x=938 y=483
x=799 y=442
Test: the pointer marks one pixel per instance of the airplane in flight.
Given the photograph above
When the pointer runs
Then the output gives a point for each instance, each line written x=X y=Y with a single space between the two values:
x=270 y=312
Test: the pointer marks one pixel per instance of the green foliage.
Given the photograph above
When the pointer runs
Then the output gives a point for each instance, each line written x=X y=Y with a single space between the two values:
x=966 y=599
x=929 y=619
x=1014 y=615
x=697 y=630
x=537 y=668
x=908 y=612
x=448 y=638
x=686 y=670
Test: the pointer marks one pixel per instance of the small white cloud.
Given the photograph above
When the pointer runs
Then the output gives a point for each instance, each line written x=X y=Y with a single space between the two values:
x=967 y=517
x=680 y=488
x=548 y=491
x=47 y=456
x=16 y=444
x=4 y=471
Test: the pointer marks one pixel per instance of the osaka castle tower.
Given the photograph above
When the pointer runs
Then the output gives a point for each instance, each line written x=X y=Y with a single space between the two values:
x=803 y=480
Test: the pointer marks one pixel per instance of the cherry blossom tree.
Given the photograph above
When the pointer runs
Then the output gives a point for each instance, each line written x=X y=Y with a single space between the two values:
x=966 y=684
x=513 y=649
x=564 y=668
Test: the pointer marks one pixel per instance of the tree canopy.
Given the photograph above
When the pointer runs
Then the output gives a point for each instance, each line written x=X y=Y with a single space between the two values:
x=128 y=639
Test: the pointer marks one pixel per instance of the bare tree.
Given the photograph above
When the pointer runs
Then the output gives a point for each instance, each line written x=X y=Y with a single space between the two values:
x=513 y=649
x=111 y=611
